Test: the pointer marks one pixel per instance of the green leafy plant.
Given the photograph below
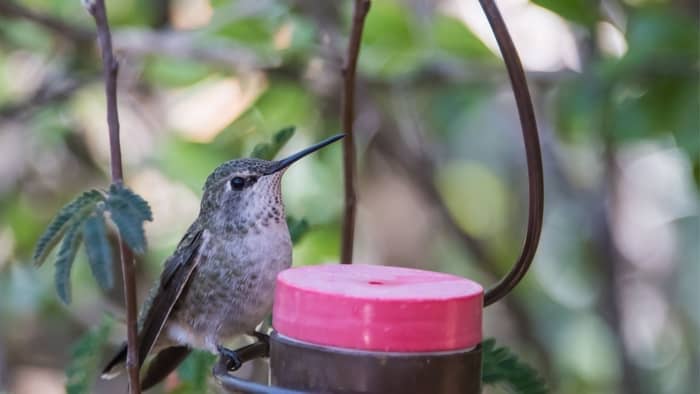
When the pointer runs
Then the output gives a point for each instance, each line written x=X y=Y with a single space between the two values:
x=268 y=150
x=195 y=372
x=85 y=356
x=297 y=228
x=83 y=221
x=500 y=366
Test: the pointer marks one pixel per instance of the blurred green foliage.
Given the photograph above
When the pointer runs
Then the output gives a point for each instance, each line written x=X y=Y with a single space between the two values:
x=268 y=150
x=619 y=130
x=195 y=373
x=650 y=92
x=502 y=367
x=85 y=357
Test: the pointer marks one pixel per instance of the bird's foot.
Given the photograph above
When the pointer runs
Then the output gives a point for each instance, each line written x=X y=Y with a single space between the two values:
x=233 y=361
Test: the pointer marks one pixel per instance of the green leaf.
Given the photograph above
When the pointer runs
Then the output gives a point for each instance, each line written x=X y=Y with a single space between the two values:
x=583 y=12
x=98 y=250
x=201 y=159
x=297 y=228
x=453 y=36
x=268 y=150
x=253 y=32
x=283 y=103
x=502 y=366
x=579 y=108
x=175 y=72
x=135 y=202
x=390 y=43
x=64 y=261
x=85 y=358
x=81 y=206
x=194 y=373
x=128 y=212
x=662 y=38
x=130 y=227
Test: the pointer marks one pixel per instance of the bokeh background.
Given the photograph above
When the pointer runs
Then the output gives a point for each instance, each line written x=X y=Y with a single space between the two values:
x=611 y=302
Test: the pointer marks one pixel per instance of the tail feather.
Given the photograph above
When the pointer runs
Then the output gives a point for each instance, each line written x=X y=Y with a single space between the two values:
x=116 y=365
x=165 y=362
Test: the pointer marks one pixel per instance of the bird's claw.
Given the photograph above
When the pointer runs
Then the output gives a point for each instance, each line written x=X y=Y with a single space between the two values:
x=234 y=359
x=233 y=362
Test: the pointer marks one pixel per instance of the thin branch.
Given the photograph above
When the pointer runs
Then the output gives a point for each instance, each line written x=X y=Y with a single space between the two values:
x=52 y=90
x=191 y=47
x=532 y=152
x=141 y=42
x=10 y=9
x=160 y=13
x=110 y=69
x=611 y=261
x=3 y=367
x=358 y=22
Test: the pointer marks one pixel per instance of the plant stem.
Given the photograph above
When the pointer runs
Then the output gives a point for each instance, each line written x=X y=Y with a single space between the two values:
x=110 y=69
x=532 y=152
x=9 y=8
x=349 y=71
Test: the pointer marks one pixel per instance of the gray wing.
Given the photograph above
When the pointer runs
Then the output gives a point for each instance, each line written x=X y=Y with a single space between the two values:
x=176 y=274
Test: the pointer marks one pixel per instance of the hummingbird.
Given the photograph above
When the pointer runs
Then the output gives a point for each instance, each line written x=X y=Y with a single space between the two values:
x=219 y=283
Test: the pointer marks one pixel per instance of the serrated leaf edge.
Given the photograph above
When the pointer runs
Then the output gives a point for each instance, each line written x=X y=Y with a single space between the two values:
x=64 y=262
x=128 y=211
x=521 y=377
x=56 y=229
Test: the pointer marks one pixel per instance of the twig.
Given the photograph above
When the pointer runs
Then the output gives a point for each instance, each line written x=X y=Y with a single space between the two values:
x=190 y=46
x=52 y=90
x=141 y=42
x=532 y=152
x=9 y=8
x=3 y=367
x=358 y=21
x=110 y=68
x=611 y=261
x=160 y=13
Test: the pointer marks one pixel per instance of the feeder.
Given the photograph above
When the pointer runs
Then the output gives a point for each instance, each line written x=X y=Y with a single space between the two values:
x=377 y=329
x=364 y=328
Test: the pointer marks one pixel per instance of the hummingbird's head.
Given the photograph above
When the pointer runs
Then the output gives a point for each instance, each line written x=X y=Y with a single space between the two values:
x=243 y=192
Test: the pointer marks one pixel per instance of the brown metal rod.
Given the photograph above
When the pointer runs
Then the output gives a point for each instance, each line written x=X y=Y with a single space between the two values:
x=532 y=152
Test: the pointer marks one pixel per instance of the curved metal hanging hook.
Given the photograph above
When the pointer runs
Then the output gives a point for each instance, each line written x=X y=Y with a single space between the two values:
x=532 y=152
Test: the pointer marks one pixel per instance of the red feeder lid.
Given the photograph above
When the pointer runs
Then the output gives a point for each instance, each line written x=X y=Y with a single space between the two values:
x=371 y=307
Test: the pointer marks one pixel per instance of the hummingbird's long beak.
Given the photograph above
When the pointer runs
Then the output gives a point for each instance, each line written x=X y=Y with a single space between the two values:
x=287 y=161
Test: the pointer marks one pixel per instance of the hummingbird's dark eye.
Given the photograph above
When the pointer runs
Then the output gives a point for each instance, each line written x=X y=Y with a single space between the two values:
x=237 y=183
